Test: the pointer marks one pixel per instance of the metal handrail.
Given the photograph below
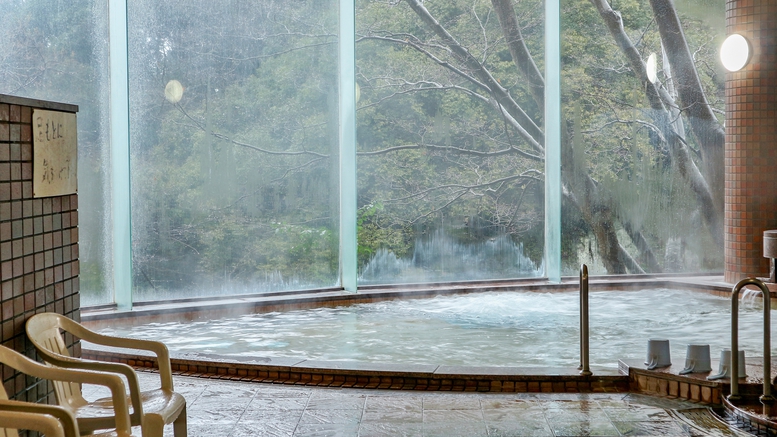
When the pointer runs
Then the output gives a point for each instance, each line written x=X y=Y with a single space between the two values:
x=585 y=368
x=766 y=399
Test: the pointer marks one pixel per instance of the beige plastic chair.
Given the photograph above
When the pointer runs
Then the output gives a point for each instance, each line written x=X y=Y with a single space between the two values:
x=46 y=424
x=51 y=420
x=152 y=409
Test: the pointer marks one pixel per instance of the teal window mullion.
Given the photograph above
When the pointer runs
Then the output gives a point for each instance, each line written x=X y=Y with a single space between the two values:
x=347 y=138
x=120 y=155
x=553 y=140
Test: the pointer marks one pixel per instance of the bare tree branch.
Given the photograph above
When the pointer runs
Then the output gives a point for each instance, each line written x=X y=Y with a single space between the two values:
x=501 y=95
x=226 y=138
x=453 y=149
x=534 y=142
x=530 y=175
x=520 y=53
x=656 y=96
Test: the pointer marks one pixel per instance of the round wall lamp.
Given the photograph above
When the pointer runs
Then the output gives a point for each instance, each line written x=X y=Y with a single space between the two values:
x=651 y=68
x=735 y=52
x=173 y=91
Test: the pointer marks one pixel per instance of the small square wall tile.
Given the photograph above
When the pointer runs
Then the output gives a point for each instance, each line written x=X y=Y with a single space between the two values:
x=30 y=281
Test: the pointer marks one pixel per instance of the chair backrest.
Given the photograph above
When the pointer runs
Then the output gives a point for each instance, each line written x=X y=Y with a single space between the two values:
x=114 y=383
x=44 y=331
x=44 y=423
x=6 y=432
x=12 y=421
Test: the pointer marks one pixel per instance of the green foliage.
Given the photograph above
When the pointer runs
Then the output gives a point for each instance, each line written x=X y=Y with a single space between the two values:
x=55 y=50
x=235 y=187
x=373 y=234
x=409 y=100
x=614 y=126
x=238 y=193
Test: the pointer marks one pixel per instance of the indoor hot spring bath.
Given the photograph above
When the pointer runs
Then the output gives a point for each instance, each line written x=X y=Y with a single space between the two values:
x=515 y=328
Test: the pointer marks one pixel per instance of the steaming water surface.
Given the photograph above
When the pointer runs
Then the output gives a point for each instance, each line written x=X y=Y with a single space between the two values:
x=491 y=329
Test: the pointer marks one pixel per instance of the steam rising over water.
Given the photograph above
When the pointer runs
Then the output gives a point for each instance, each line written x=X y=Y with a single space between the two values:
x=441 y=258
x=491 y=329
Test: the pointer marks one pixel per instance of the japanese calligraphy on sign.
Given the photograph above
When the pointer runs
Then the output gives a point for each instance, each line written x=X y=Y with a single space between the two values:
x=55 y=153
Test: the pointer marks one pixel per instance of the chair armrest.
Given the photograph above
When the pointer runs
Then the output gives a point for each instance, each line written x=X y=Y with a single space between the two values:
x=158 y=348
x=10 y=409
x=43 y=423
x=112 y=381
x=99 y=366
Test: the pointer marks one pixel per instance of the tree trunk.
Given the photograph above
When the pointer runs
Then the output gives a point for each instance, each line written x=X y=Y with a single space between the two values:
x=596 y=207
x=704 y=124
x=657 y=96
x=518 y=50
x=499 y=93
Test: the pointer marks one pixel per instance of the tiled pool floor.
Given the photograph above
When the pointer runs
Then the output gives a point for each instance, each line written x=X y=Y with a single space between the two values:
x=235 y=409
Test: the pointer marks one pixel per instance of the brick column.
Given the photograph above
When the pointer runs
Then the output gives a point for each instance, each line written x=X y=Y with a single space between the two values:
x=751 y=140
x=38 y=245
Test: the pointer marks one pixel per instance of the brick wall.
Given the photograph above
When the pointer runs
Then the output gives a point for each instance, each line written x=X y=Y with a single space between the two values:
x=38 y=244
x=751 y=140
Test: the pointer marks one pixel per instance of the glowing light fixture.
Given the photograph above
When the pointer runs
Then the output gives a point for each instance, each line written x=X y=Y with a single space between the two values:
x=735 y=52
x=173 y=91
x=651 y=68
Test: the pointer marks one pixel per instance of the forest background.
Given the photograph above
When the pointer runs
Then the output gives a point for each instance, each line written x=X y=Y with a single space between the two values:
x=235 y=186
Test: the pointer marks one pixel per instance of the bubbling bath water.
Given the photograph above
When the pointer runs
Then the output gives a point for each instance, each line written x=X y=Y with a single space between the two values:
x=480 y=329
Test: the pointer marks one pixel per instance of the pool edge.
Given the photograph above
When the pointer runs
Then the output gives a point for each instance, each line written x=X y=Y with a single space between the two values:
x=397 y=376
x=383 y=376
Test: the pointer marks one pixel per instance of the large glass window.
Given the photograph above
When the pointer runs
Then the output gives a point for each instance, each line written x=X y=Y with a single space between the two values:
x=233 y=115
x=57 y=50
x=643 y=107
x=450 y=140
x=235 y=154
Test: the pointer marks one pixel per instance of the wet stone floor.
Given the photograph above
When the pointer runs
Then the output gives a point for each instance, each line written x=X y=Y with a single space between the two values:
x=235 y=409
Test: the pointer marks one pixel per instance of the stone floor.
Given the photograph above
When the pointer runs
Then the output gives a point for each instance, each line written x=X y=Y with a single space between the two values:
x=234 y=409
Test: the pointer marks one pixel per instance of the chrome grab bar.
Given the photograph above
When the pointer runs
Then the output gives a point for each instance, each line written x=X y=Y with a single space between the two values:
x=766 y=399
x=585 y=368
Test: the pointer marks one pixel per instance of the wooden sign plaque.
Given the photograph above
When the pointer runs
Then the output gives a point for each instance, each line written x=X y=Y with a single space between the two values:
x=55 y=153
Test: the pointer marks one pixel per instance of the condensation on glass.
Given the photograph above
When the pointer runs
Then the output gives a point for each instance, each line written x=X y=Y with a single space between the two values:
x=234 y=138
x=57 y=50
x=450 y=140
x=643 y=139
x=234 y=146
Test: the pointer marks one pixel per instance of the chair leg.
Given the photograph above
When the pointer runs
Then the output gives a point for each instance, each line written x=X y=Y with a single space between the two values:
x=153 y=426
x=179 y=425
